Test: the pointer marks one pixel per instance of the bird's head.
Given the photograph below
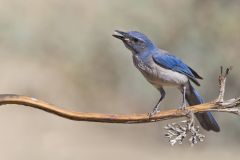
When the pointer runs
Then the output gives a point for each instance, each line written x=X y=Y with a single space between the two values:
x=135 y=41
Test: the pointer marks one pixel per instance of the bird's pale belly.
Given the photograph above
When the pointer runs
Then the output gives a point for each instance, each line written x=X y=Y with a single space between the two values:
x=159 y=76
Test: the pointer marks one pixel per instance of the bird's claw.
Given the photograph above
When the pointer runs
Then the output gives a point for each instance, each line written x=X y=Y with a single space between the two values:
x=154 y=112
x=182 y=107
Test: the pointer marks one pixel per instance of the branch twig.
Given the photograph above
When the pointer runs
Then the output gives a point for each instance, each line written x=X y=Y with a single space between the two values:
x=222 y=83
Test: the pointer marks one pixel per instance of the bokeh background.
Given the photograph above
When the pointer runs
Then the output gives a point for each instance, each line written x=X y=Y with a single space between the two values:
x=63 y=52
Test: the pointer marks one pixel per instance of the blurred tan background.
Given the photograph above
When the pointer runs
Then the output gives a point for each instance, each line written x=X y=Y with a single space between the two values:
x=63 y=52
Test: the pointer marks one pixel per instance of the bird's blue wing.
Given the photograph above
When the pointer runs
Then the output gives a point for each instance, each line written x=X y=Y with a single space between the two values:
x=175 y=64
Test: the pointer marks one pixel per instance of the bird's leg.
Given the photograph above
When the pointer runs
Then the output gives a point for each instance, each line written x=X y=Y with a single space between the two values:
x=156 y=109
x=184 y=104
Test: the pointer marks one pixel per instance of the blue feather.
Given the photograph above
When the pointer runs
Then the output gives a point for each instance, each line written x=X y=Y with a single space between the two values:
x=175 y=64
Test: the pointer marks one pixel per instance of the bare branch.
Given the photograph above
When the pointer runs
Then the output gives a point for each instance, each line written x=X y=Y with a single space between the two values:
x=222 y=83
x=115 y=118
x=219 y=106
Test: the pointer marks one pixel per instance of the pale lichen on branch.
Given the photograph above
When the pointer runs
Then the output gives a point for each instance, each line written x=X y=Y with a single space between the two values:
x=177 y=132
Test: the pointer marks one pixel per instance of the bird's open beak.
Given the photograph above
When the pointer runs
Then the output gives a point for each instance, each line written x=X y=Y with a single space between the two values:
x=119 y=34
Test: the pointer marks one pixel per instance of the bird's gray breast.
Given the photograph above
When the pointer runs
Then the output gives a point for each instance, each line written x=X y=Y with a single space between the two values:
x=157 y=75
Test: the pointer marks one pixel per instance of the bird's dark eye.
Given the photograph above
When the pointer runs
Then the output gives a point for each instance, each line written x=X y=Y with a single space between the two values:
x=135 y=40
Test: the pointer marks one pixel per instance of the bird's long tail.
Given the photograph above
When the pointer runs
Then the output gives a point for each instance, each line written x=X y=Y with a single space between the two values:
x=206 y=119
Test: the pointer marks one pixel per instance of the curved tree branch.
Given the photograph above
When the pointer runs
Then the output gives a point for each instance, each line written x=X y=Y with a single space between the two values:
x=219 y=106
x=114 y=118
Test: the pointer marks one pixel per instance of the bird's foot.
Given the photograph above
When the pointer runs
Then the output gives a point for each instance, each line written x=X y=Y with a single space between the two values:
x=182 y=107
x=154 y=112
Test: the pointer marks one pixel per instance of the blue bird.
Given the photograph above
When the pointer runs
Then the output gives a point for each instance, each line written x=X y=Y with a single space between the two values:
x=161 y=69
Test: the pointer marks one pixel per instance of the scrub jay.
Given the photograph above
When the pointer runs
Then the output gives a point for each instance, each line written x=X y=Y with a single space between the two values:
x=163 y=69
